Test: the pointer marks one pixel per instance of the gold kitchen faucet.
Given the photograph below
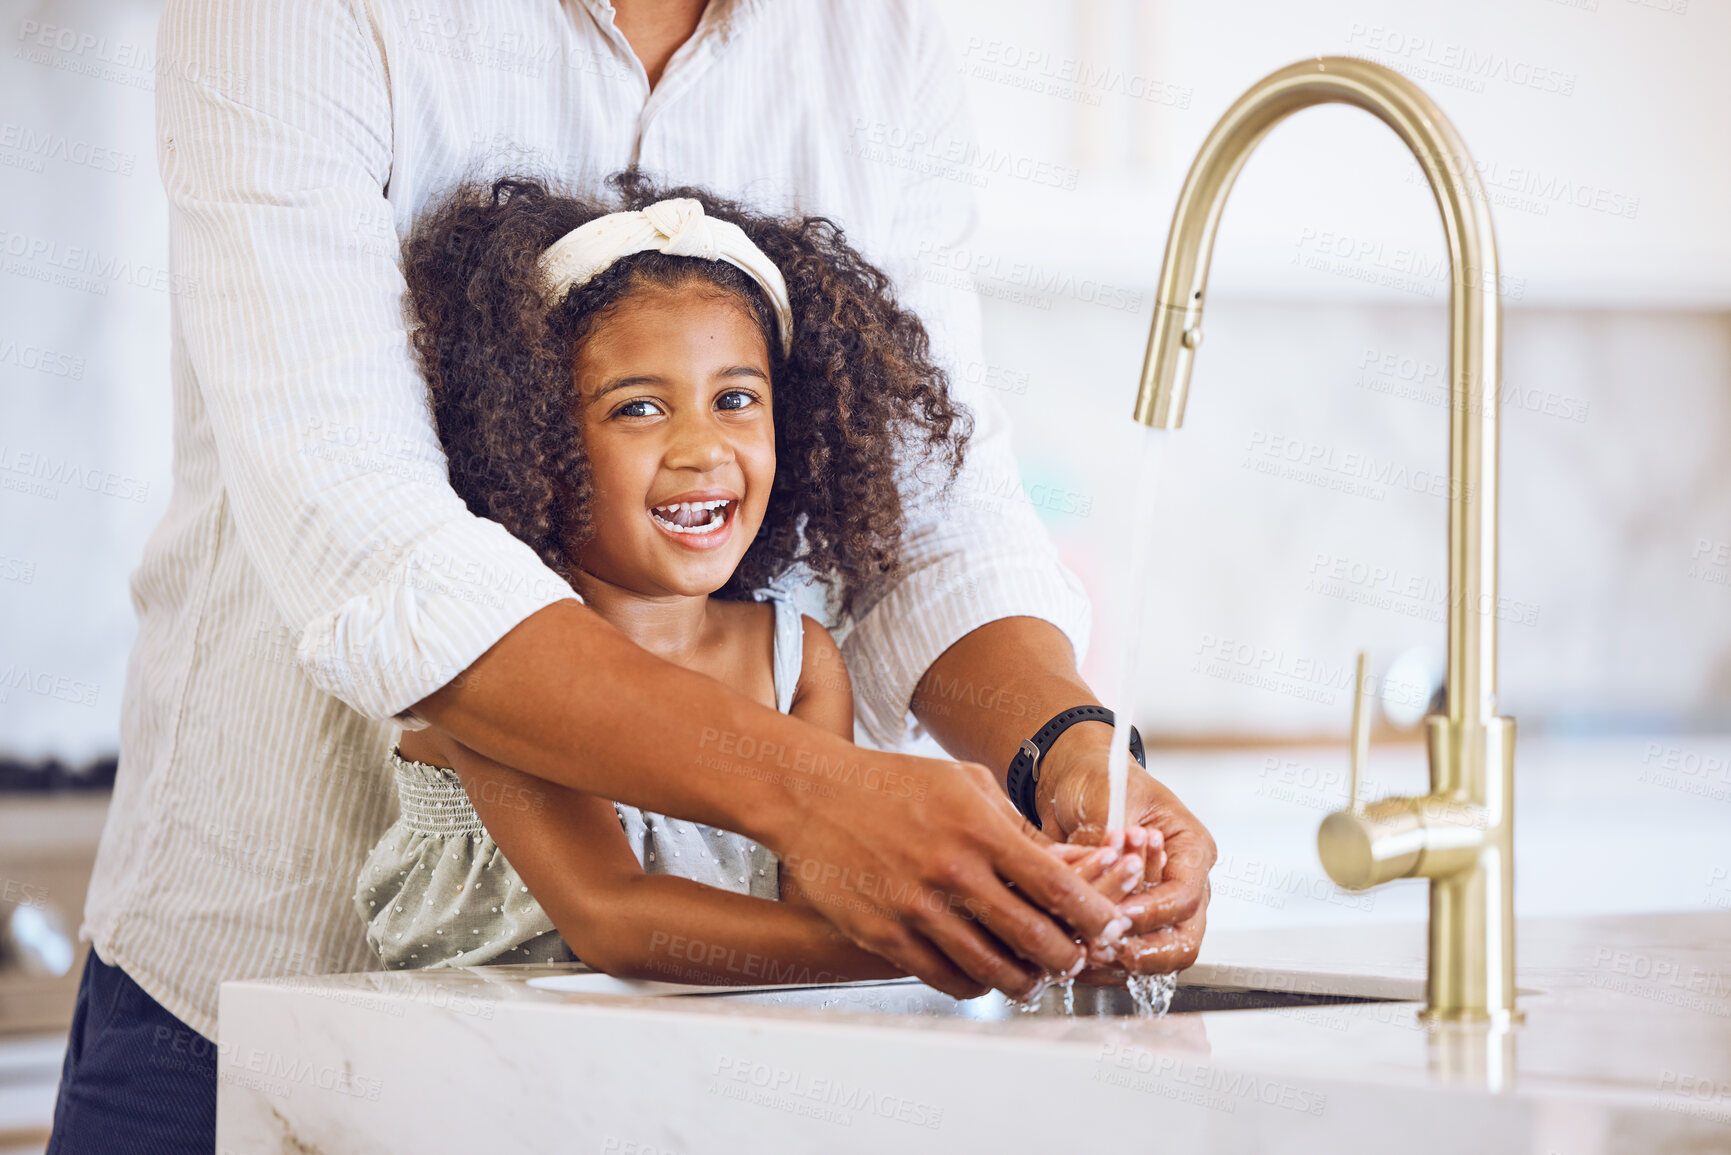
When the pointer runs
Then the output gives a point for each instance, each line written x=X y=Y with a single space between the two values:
x=1460 y=836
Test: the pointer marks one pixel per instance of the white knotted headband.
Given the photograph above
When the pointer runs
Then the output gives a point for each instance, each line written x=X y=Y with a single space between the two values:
x=677 y=227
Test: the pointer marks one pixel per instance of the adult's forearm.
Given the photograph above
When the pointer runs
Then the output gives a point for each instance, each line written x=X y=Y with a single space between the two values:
x=997 y=685
x=568 y=698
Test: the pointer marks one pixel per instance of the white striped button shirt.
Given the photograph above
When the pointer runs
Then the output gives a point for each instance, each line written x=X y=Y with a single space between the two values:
x=315 y=575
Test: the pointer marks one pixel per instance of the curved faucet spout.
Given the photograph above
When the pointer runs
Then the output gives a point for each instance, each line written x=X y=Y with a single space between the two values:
x=1475 y=346
x=1461 y=835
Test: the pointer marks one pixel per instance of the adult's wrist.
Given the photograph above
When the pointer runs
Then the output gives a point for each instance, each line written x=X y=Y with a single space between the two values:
x=830 y=781
x=1081 y=749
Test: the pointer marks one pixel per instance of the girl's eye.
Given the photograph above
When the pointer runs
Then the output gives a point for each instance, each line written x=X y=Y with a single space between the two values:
x=735 y=399
x=636 y=409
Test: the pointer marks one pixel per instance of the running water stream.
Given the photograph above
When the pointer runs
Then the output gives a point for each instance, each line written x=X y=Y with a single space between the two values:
x=1134 y=599
x=1152 y=993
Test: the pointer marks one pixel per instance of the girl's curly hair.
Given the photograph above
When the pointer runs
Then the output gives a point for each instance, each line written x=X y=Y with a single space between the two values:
x=857 y=402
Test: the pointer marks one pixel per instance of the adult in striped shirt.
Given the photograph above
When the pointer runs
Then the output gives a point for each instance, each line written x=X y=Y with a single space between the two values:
x=316 y=585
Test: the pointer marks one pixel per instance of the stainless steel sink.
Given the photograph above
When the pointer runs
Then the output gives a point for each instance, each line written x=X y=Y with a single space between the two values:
x=911 y=997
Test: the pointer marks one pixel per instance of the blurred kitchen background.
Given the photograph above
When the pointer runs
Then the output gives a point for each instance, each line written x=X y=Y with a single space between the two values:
x=1303 y=511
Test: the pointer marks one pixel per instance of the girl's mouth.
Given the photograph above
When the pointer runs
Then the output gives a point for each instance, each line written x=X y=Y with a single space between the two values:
x=695 y=523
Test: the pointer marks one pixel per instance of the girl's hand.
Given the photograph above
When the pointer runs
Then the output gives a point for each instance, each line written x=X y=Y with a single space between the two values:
x=1116 y=868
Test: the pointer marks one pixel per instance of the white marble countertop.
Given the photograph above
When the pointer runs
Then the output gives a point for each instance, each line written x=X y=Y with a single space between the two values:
x=1626 y=1046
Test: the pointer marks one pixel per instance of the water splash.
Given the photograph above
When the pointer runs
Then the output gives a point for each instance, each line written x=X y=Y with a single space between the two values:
x=1152 y=994
x=1130 y=620
x=1031 y=1004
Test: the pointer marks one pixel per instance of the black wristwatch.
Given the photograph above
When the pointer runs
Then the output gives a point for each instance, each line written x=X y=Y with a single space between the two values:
x=1024 y=772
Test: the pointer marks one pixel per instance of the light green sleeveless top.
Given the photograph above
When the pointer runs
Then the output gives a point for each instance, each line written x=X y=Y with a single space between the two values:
x=437 y=892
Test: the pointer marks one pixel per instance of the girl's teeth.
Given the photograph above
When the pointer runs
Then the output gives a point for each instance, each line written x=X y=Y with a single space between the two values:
x=689 y=506
x=665 y=514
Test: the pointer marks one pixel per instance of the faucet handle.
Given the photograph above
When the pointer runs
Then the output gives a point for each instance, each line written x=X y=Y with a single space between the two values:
x=1359 y=752
x=1363 y=846
x=1371 y=843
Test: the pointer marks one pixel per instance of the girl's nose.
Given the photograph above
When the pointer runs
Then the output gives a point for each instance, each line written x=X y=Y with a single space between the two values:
x=698 y=444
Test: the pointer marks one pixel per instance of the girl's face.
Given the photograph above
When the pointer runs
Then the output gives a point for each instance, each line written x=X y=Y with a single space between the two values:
x=674 y=406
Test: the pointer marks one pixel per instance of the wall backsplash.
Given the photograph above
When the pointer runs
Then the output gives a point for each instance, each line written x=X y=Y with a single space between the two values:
x=1304 y=505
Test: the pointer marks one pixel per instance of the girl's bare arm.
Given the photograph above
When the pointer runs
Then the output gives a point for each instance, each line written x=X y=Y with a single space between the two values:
x=824 y=697
x=632 y=924
x=574 y=858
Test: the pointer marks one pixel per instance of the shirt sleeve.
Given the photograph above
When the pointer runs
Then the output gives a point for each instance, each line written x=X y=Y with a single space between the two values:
x=980 y=553
x=275 y=149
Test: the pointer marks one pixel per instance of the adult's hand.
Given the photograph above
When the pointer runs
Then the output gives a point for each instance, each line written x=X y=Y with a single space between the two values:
x=923 y=880
x=912 y=858
x=997 y=686
x=1170 y=913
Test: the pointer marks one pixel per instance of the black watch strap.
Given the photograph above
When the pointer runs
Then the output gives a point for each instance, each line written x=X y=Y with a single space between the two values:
x=1024 y=772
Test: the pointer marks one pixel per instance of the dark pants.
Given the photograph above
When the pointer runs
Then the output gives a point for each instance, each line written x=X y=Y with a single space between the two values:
x=136 y=1079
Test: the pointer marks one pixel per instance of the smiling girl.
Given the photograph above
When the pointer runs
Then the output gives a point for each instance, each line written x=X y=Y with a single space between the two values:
x=685 y=408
